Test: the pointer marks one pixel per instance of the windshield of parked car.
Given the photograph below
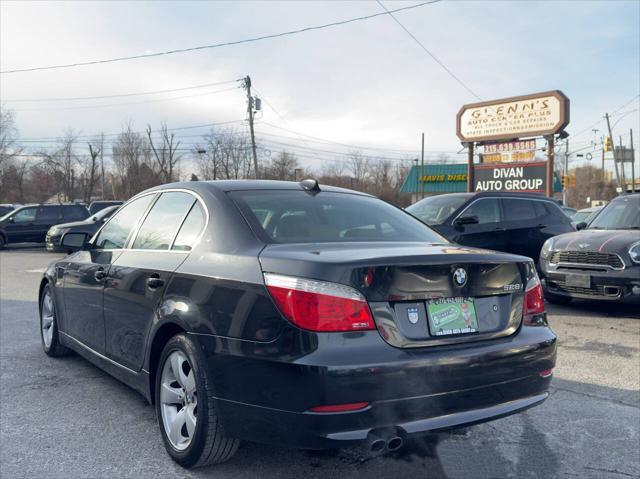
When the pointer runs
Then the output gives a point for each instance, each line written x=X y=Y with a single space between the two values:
x=435 y=209
x=622 y=213
x=292 y=216
x=581 y=216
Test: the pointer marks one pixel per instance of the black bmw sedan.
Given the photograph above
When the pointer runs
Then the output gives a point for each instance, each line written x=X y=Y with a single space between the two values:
x=297 y=314
x=601 y=262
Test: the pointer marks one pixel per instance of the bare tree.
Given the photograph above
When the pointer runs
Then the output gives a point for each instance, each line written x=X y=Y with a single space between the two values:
x=90 y=170
x=226 y=154
x=282 y=167
x=9 y=149
x=133 y=164
x=61 y=165
x=358 y=164
x=165 y=152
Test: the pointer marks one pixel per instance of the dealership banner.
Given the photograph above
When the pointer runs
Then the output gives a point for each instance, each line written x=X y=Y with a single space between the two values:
x=520 y=177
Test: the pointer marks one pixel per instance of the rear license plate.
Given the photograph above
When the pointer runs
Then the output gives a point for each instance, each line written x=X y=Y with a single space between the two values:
x=578 y=280
x=449 y=316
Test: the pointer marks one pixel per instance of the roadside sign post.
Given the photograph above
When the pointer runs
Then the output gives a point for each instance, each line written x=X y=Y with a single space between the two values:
x=550 y=154
x=492 y=123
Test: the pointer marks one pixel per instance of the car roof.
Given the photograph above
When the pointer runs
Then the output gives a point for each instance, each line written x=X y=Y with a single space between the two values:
x=590 y=209
x=244 y=185
x=507 y=194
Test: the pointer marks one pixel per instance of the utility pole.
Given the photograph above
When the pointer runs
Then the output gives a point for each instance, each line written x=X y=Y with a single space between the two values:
x=633 y=163
x=422 y=169
x=247 y=85
x=102 y=163
x=417 y=178
x=615 y=157
x=622 y=175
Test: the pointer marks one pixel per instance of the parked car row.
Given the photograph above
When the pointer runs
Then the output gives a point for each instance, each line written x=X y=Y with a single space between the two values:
x=32 y=223
x=602 y=261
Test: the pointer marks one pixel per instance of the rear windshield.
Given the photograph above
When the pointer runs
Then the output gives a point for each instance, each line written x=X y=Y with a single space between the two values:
x=297 y=217
x=436 y=209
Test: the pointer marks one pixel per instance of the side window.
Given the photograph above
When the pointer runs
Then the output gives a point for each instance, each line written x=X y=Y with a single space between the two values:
x=191 y=229
x=487 y=210
x=556 y=213
x=542 y=209
x=74 y=213
x=519 y=210
x=115 y=233
x=25 y=215
x=48 y=214
x=162 y=223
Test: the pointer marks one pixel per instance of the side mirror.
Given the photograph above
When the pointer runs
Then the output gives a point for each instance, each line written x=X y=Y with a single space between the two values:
x=467 y=220
x=74 y=241
x=580 y=226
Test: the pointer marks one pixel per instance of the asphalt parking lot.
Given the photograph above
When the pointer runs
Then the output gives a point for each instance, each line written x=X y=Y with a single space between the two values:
x=66 y=418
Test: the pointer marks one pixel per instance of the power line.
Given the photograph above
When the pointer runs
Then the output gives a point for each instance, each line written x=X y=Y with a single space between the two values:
x=263 y=98
x=205 y=85
x=155 y=100
x=219 y=45
x=139 y=132
x=451 y=74
x=322 y=140
x=602 y=119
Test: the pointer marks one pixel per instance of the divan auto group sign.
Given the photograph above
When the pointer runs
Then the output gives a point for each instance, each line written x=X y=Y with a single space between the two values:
x=529 y=177
x=539 y=114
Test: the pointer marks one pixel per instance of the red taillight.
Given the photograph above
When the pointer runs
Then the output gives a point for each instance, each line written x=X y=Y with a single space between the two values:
x=547 y=373
x=319 y=305
x=356 y=406
x=534 y=303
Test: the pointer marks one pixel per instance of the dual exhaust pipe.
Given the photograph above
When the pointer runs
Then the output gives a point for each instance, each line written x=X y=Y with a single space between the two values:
x=381 y=442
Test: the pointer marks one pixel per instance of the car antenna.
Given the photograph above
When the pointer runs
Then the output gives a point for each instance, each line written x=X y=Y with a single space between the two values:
x=311 y=186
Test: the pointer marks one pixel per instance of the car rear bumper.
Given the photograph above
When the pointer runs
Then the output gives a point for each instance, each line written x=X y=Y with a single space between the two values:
x=409 y=392
x=621 y=286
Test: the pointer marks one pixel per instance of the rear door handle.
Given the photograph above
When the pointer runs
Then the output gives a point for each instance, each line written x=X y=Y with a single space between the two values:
x=541 y=226
x=500 y=230
x=154 y=281
x=100 y=274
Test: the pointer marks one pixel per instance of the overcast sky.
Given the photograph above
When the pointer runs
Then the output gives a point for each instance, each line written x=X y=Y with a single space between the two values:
x=366 y=83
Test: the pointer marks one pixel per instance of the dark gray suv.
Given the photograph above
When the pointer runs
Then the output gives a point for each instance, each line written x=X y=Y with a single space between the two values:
x=29 y=224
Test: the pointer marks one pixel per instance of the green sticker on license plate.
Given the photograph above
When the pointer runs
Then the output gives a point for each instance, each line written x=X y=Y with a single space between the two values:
x=452 y=316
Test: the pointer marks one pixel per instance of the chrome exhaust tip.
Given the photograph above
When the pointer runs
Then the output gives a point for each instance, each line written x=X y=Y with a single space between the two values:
x=394 y=443
x=375 y=444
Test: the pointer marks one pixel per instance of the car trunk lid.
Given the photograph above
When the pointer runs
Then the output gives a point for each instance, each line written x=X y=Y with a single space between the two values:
x=402 y=282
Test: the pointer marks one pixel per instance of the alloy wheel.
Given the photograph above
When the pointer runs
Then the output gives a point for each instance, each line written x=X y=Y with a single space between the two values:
x=179 y=400
x=47 y=319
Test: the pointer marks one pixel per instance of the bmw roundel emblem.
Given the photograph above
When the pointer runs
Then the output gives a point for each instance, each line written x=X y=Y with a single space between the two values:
x=460 y=276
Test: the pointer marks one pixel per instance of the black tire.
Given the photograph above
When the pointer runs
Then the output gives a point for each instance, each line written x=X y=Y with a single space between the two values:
x=2 y=242
x=209 y=444
x=556 y=298
x=54 y=348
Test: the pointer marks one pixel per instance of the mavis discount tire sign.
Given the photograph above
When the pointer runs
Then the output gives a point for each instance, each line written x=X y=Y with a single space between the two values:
x=522 y=177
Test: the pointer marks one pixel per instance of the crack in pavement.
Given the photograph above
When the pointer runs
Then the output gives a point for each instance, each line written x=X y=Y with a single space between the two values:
x=595 y=396
x=612 y=471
